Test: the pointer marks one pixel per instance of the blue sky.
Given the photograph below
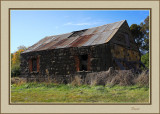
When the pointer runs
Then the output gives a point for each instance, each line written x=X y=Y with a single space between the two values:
x=30 y=26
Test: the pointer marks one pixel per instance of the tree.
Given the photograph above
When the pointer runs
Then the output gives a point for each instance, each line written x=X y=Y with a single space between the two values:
x=141 y=35
x=15 y=61
x=145 y=31
x=137 y=35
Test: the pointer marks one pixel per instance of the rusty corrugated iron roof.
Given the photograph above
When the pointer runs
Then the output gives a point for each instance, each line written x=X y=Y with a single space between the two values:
x=86 y=37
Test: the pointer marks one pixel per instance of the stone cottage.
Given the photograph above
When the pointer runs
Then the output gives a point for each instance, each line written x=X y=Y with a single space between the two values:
x=89 y=50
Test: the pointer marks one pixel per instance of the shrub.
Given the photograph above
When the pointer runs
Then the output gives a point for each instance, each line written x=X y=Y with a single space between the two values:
x=145 y=60
x=123 y=78
x=114 y=77
x=15 y=61
x=15 y=70
x=143 y=79
x=99 y=78
x=117 y=77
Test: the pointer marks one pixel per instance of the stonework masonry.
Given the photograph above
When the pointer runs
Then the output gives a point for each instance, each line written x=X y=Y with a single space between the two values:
x=62 y=62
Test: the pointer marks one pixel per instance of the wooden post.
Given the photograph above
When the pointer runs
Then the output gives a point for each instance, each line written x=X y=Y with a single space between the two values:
x=38 y=63
x=77 y=62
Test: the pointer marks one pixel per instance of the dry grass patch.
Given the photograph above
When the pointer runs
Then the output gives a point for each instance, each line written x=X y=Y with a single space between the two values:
x=142 y=79
x=18 y=81
x=77 y=80
x=117 y=77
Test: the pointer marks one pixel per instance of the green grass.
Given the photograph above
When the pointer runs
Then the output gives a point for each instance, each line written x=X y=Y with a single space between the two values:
x=43 y=92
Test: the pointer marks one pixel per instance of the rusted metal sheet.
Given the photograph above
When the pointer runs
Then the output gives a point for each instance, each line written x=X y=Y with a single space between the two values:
x=53 y=43
x=89 y=31
x=102 y=38
x=101 y=29
x=92 y=36
x=91 y=40
x=58 y=43
x=68 y=42
x=113 y=25
x=81 y=40
x=36 y=45
x=44 y=44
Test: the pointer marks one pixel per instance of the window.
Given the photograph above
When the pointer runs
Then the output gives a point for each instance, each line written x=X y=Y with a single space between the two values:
x=34 y=64
x=83 y=62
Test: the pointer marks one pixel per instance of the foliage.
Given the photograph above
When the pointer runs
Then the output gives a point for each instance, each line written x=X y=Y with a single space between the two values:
x=43 y=92
x=15 y=70
x=137 y=34
x=145 y=31
x=145 y=60
x=141 y=35
x=15 y=61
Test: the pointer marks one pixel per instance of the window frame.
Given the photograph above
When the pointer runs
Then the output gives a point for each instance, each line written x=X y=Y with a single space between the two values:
x=78 y=64
x=34 y=64
x=37 y=58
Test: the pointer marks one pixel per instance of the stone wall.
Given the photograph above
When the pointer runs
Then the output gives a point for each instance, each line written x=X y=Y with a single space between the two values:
x=125 y=52
x=61 y=64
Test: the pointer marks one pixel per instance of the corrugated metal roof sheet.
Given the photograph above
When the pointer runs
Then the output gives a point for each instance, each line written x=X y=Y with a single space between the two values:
x=87 y=37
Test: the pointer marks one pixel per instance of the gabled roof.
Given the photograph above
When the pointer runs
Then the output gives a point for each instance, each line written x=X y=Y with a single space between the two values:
x=86 y=37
